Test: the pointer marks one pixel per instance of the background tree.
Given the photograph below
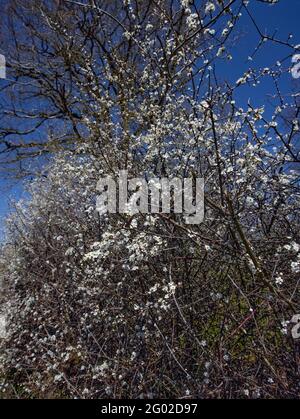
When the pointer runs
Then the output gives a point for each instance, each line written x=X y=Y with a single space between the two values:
x=146 y=306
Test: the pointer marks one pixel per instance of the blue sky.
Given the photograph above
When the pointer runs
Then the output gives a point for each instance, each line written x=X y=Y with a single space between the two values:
x=284 y=18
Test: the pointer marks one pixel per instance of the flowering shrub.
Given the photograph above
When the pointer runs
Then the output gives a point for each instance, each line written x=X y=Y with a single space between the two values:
x=146 y=305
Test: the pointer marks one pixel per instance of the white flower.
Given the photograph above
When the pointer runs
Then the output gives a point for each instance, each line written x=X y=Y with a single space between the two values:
x=220 y=51
x=209 y=8
x=69 y=251
x=127 y=35
x=149 y=27
x=210 y=32
x=225 y=32
x=192 y=21
x=295 y=266
x=284 y=325
x=58 y=377
x=241 y=80
x=185 y=3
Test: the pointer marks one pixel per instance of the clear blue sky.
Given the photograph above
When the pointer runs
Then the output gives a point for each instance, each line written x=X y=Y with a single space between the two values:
x=283 y=17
